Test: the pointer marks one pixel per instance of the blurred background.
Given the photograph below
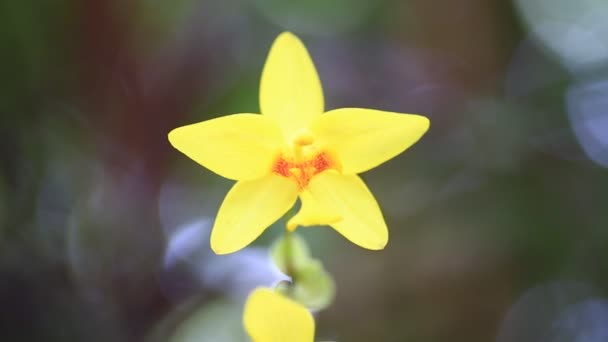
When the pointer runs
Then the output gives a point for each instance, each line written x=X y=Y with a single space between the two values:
x=498 y=216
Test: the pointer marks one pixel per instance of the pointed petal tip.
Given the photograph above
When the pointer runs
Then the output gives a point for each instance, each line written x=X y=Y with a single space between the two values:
x=223 y=250
x=288 y=38
x=287 y=35
x=374 y=245
x=217 y=250
x=224 y=247
x=171 y=136
x=220 y=247
x=422 y=120
x=380 y=245
x=426 y=122
x=369 y=244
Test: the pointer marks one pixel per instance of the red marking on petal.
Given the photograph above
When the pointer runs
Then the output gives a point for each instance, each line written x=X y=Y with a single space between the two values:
x=302 y=172
x=321 y=162
x=281 y=167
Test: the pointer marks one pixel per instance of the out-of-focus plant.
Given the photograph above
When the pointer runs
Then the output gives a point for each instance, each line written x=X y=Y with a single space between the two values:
x=295 y=150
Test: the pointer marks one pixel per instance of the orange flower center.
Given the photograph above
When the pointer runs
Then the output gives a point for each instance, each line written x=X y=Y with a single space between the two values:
x=303 y=171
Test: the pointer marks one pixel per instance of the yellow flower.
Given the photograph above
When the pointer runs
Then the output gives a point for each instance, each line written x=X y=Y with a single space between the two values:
x=294 y=149
x=271 y=317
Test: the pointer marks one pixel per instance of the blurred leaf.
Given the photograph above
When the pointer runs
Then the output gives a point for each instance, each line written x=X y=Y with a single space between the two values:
x=164 y=16
x=217 y=321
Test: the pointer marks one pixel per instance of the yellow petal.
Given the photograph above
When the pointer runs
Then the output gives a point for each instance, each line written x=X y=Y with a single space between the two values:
x=312 y=213
x=271 y=317
x=239 y=146
x=347 y=198
x=248 y=209
x=365 y=138
x=290 y=90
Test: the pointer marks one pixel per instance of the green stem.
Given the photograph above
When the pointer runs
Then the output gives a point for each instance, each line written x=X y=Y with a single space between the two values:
x=290 y=267
x=289 y=262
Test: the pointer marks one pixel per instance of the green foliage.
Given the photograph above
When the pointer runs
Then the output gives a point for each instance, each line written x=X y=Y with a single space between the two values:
x=311 y=284
x=290 y=252
x=216 y=321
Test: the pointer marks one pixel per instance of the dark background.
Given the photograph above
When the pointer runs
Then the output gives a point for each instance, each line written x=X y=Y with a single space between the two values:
x=498 y=216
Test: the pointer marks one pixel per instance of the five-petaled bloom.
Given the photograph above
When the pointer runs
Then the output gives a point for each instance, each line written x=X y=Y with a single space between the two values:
x=293 y=149
x=271 y=317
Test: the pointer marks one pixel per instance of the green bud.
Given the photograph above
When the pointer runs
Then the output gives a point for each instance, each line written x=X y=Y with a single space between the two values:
x=290 y=252
x=314 y=287
x=311 y=285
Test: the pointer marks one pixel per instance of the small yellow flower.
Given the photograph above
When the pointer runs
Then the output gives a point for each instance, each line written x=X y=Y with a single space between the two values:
x=271 y=317
x=294 y=149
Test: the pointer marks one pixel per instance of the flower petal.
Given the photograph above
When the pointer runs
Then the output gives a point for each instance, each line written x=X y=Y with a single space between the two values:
x=346 y=204
x=248 y=209
x=290 y=89
x=239 y=146
x=365 y=138
x=312 y=213
x=271 y=317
